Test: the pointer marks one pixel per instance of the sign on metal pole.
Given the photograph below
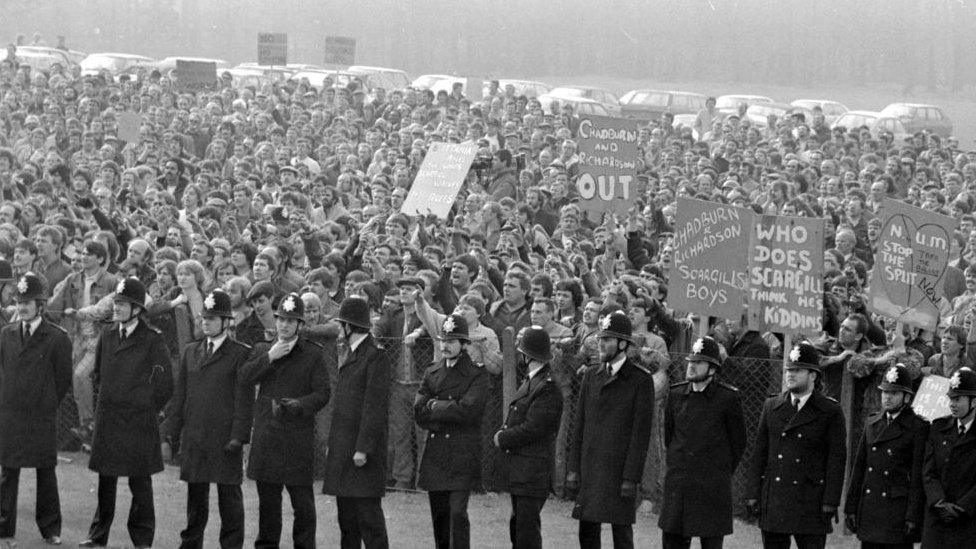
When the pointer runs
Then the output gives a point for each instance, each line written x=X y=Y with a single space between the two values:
x=273 y=48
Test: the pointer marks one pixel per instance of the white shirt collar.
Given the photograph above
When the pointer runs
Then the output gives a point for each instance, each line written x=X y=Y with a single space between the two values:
x=217 y=341
x=355 y=340
x=532 y=373
x=617 y=364
x=967 y=425
x=33 y=324
x=129 y=326
x=803 y=400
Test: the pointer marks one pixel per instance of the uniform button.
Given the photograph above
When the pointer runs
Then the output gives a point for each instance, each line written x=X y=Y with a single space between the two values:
x=777 y=479
x=886 y=473
x=432 y=435
x=798 y=460
x=868 y=491
x=799 y=435
x=783 y=434
x=874 y=448
x=780 y=456
x=448 y=435
x=870 y=469
x=884 y=494
x=795 y=482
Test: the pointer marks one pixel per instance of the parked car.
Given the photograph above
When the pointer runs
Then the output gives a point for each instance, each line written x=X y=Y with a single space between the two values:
x=609 y=101
x=728 y=104
x=115 y=63
x=388 y=79
x=758 y=114
x=650 y=104
x=832 y=110
x=875 y=121
x=527 y=88
x=316 y=77
x=438 y=82
x=169 y=63
x=37 y=60
x=920 y=117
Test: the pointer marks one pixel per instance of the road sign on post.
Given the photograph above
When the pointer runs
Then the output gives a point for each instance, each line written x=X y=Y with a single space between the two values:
x=340 y=50
x=272 y=48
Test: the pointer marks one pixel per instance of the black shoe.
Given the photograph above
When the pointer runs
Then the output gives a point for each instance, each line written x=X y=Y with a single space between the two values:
x=91 y=543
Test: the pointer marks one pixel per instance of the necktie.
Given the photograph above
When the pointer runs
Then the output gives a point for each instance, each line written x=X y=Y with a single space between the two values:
x=962 y=430
x=121 y=334
x=26 y=330
x=888 y=419
x=796 y=405
x=609 y=369
x=210 y=348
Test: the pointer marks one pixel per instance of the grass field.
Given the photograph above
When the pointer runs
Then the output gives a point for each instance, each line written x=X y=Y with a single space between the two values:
x=408 y=519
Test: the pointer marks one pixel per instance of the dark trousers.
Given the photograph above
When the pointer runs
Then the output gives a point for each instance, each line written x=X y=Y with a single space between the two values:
x=361 y=523
x=449 y=514
x=142 y=515
x=269 y=515
x=670 y=540
x=869 y=545
x=525 y=526
x=776 y=540
x=47 y=510
x=230 y=503
x=589 y=535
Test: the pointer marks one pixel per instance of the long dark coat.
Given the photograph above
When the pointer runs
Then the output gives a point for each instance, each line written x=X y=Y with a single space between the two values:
x=452 y=455
x=283 y=448
x=613 y=428
x=949 y=473
x=359 y=419
x=798 y=464
x=133 y=380
x=34 y=377
x=526 y=438
x=211 y=406
x=705 y=435
x=885 y=487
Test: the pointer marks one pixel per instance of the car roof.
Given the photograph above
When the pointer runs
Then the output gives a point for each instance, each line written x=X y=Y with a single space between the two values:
x=914 y=105
x=747 y=96
x=863 y=113
x=123 y=55
x=650 y=90
x=369 y=68
x=585 y=88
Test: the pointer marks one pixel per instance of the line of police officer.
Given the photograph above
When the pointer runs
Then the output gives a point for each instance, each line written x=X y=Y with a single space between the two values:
x=908 y=482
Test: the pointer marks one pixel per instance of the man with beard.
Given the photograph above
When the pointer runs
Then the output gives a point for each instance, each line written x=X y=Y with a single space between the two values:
x=885 y=501
x=450 y=405
x=705 y=435
x=613 y=429
x=949 y=470
x=797 y=474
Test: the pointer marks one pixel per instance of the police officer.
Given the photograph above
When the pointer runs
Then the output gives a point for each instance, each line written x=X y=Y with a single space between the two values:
x=885 y=502
x=133 y=380
x=949 y=472
x=613 y=428
x=35 y=374
x=450 y=404
x=705 y=435
x=797 y=473
x=293 y=386
x=211 y=409
x=355 y=468
x=526 y=439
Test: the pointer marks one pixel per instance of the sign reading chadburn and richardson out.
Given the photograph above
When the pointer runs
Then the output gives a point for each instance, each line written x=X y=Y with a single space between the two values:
x=608 y=164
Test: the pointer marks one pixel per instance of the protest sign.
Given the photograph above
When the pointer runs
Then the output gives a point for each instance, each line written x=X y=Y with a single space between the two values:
x=340 y=50
x=439 y=179
x=930 y=400
x=710 y=275
x=128 y=126
x=910 y=264
x=195 y=74
x=607 y=149
x=786 y=275
x=272 y=48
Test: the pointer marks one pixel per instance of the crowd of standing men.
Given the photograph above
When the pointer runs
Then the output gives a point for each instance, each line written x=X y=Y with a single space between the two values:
x=242 y=269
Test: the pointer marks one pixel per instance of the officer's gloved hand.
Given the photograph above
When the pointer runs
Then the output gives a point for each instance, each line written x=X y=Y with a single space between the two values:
x=233 y=447
x=437 y=404
x=572 y=483
x=911 y=529
x=628 y=490
x=851 y=522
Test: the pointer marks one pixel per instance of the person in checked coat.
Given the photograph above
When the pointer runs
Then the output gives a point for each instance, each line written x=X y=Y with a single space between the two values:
x=133 y=381
x=449 y=405
x=705 y=436
x=355 y=467
x=885 y=501
x=293 y=385
x=613 y=428
x=526 y=440
x=949 y=471
x=797 y=473
x=35 y=374
x=211 y=410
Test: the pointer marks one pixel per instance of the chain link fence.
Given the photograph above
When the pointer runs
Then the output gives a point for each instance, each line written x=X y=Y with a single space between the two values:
x=755 y=378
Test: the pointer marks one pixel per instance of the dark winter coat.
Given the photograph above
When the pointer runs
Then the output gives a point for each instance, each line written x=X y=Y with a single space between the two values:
x=34 y=377
x=885 y=487
x=704 y=435
x=133 y=381
x=798 y=464
x=452 y=455
x=283 y=447
x=211 y=406
x=526 y=438
x=359 y=420
x=949 y=474
x=612 y=432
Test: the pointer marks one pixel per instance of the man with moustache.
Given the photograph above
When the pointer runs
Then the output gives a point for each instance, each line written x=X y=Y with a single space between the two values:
x=797 y=474
x=705 y=435
x=885 y=501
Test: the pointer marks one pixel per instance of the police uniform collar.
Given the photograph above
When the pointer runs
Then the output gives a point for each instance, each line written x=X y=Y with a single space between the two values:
x=34 y=324
x=217 y=341
x=129 y=326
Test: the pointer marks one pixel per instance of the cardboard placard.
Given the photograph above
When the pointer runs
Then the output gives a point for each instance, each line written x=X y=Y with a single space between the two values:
x=786 y=275
x=273 y=48
x=931 y=402
x=608 y=164
x=710 y=274
x=195 y=74
x=910 y=264
x=439 y=179
x=128 y=126
x=340 y=50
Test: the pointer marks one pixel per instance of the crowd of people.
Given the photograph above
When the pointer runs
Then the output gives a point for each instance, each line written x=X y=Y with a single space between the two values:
x=279 y=208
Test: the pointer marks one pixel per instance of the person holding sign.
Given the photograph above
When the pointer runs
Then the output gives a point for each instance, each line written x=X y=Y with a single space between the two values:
x=797 y=474
x=949 y=472
x=885 y=501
